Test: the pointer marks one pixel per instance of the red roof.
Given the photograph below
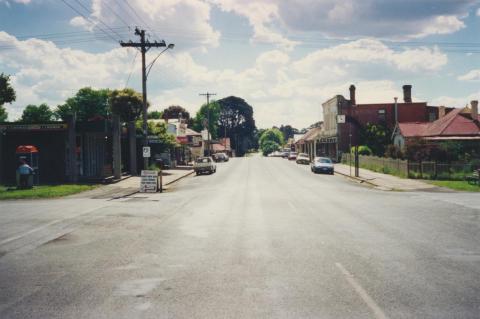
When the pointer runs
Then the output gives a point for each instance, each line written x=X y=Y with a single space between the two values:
x=222 y=145
x=455 y=123
x=26 y=149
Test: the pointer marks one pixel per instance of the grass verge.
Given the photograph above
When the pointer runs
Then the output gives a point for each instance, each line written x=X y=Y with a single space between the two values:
x=44 y=191
x=457 y=185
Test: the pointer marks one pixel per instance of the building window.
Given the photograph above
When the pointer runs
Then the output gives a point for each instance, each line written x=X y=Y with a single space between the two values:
x=381 y=115
x=432 y=117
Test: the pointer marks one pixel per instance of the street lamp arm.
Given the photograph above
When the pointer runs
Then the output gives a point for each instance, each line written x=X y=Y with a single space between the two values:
x=150 y=65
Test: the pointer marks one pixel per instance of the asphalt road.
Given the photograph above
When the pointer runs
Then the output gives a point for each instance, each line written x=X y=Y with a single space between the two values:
x=261 y=238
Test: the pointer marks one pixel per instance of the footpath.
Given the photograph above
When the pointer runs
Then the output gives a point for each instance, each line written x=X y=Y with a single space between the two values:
x=385 y=181
x=131 y=185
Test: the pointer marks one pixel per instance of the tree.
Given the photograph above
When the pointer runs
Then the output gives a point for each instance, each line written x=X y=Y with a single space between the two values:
x=87 y=104
x=174 y=112
x=37 y=114
x=376 y=137
x=288 y=131
x=202 y=116
x=3 y=114
x=236 y=122
x=7 y=95
x=126 y=103
x=271 y=140
x=167 y=141
x=155 y=115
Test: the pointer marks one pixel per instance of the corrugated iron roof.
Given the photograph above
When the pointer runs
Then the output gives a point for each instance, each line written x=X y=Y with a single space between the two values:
x=455 y=123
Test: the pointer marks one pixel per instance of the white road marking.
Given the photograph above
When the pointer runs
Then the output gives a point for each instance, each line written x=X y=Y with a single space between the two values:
x=379 y=314
x=291 y=205
x=31 y=231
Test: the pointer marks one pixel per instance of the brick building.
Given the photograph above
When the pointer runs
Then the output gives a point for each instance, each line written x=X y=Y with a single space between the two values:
x=337 y=136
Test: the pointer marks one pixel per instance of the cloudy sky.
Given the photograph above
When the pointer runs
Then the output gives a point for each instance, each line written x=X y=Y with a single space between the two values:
x=283 y=57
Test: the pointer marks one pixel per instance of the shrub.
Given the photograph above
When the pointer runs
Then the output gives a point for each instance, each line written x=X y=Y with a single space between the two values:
x=362 y=150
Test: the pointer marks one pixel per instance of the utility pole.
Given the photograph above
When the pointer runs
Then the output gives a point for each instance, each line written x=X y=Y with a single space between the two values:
x=208 y=94
x=144 y=46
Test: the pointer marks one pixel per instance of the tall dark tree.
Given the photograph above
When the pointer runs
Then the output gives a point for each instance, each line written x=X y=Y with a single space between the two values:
x=212 y=112
x=236 y=122
x=37 y=114
x=126 y=103
x=7 y=95
x=174 y=112
x=288 y=131
x=155 y=115
x=87 y=104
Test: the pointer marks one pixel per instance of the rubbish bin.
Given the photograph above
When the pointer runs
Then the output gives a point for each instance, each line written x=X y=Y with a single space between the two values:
x=30 y=154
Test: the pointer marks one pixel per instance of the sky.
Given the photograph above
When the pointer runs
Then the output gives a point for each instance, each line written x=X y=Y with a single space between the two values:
x=285 y=58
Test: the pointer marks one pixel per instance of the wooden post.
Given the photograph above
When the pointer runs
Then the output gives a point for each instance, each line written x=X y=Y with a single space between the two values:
x=72 y=146
x=1 y=157
x=116 y=146
x=132 y=144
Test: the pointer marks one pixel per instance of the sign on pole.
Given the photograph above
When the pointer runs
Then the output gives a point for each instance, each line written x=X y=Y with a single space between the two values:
x=340 y=119
x=149 y=181
x=146 y=151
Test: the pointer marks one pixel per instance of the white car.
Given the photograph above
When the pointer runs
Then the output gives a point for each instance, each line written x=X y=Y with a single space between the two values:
x=322 y=165
x=303 y=158
x=204 y=165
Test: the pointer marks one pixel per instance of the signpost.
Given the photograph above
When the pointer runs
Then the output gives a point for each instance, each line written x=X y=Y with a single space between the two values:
x=146 y=152
x=149 y=182
x=341 y=119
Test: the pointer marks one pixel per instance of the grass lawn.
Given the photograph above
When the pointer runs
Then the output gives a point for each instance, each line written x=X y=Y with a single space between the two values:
x=45 y=191
x=457 y=185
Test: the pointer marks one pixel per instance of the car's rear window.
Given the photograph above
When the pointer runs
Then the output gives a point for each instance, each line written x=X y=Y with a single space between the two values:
x=203 y=160
x=324 y=160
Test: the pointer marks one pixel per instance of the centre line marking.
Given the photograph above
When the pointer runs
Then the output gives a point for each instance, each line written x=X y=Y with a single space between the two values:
x=291 y=205
x=379 y=314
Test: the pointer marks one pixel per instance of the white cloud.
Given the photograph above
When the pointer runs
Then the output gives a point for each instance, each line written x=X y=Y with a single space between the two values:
x=262 y=16
x=398 y=19
x=187 y=22
x=281 y=89
x=451 y=101
x=373 y=52
x=473 y=75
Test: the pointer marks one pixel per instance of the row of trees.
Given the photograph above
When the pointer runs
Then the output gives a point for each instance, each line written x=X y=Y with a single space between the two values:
x=230 y=117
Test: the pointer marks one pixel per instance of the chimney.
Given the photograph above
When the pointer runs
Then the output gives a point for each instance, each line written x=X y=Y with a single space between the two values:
x=441 y=111
x=407 y=93
x=352 y=95
x=474 y=112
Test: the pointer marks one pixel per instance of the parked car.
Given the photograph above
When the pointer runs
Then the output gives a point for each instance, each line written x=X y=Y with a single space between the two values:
x=285 y=154
x=221 y=157
x=322 y=165
x=204 y=165
x=303 y=158
x=292 y=156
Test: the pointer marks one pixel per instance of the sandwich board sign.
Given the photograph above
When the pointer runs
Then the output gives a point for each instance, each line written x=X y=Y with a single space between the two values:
x=146 y=151
x=149 y=181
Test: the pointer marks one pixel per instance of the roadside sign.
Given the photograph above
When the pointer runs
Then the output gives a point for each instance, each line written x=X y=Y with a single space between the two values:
x=146 y=151
x=340 y=119
x=149 y=181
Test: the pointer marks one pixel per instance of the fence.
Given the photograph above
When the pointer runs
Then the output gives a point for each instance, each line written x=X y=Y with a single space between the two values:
x=410 y=169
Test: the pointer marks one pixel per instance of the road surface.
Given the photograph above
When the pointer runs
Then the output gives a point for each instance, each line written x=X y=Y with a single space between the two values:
x=261 y=238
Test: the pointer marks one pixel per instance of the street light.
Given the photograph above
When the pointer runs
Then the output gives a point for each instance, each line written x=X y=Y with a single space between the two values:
x=150 y=65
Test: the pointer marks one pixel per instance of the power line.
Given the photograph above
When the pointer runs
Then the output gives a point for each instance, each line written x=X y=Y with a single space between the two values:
x=87 y=18
x=140 y=19
x=117 y=15
x=131 y=69
x=99 y=20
